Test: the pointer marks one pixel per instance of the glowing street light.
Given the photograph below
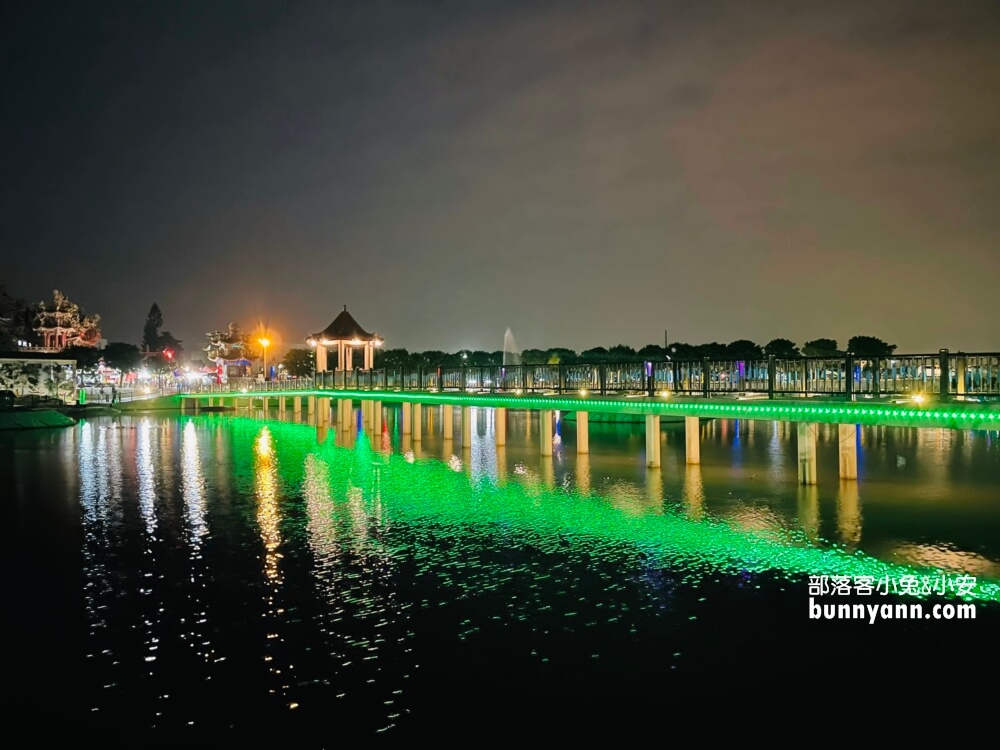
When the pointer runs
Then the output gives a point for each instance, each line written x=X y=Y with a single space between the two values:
x=264 y=342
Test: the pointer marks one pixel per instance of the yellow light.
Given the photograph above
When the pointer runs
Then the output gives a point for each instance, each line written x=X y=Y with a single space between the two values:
x=583 y=391
x=665 y=394
x=919 y=398
x=264 y=342
x=518 y=391
x=355 y=342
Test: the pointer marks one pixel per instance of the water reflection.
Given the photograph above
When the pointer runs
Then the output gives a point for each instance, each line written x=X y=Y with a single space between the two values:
x=268 y=522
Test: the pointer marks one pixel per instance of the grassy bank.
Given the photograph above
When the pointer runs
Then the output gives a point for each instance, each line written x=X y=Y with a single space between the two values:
x=26 y=420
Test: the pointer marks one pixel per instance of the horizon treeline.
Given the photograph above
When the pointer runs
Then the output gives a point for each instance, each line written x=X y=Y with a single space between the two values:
x=742 y=349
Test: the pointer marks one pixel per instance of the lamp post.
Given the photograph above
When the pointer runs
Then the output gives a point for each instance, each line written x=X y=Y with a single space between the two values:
x=264 y=344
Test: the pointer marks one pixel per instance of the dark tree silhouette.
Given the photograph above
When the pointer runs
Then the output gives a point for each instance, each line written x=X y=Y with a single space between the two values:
x=782 y=348
x=151 y=329
x=300 y=362
x=869 y=346
x=821 y=348
x=744 y=349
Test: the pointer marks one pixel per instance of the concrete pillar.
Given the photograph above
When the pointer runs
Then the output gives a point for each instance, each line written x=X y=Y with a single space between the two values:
x=297 y=405
x=211 y=402
x=197 y=405
x=545 y=423
x=405 y=412
x=311 y=405
x=417 y=423
x=848 y=451
x=583 y=473
x=500 y=425
x=582 y=432
x=849 y=514
x=448 y=420
x=692 y=440
x=806 y=432
x=281 y=405
x=652 y=441
x=960 y=375
x=466 y=426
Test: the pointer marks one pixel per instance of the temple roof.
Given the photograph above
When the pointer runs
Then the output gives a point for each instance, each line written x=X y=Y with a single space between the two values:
x=344 y=328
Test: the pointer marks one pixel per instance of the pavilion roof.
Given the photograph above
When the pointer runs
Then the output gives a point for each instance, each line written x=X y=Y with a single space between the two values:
x=344 y=328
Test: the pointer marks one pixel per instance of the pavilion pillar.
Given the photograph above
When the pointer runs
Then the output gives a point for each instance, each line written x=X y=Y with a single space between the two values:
x=848 y=434
x=692 y=440
x=349 y=356
x=806 y=432
x=416 y=426
x=448 y=421
x=583 y=432
x=653 y=441
x=500 y=425
x=321 y=353
x=466 y=426
x=545 y=422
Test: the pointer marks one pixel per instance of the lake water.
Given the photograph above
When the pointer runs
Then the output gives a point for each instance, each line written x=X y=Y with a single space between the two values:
x=188 y=578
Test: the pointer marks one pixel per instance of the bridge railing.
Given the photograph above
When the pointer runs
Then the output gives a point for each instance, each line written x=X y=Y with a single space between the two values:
x=965 y=375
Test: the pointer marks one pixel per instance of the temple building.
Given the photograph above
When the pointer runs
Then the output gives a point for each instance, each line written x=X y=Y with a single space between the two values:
x=346 y=335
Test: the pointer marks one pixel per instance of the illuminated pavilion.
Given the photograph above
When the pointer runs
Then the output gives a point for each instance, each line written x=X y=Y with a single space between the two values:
x=345 y=334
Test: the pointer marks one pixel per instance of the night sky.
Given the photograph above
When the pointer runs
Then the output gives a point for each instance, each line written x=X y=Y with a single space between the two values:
x=585 y=173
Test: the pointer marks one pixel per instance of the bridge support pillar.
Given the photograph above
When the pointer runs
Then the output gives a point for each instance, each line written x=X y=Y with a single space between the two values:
x=582 y=432
x=211 y=402
x=417 y=422
x=297 y=405
x=404 y=409
x=500 y=425
x=448 y=420
x=311 y=405
x=653 y=441
x=806 y=433
x=466 y=426
x=197 y=405
x=376 y=417
x=848 y=434
x=281 y=405
x=545 y=422
x=692 y=440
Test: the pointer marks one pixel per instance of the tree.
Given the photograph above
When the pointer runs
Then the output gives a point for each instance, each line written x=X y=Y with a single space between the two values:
x=715 y=350
x=124 y=356
x=744 y=349
x=821 y=348
x=167 y=341
x=151 y=329
x=7 y=342
x=300 y=362
x=558 y=355
x=621 y=353
x=86 y=357
x=652 y=353
x=781 y=349
x=534 y=357
x=869 y=346
x=596 y=354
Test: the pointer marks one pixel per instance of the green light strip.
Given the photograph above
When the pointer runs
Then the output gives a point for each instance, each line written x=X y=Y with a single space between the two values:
x=430 y=492
x=954 y=416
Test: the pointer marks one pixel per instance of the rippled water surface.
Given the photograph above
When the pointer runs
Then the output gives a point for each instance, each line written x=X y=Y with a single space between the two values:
x=235 y=575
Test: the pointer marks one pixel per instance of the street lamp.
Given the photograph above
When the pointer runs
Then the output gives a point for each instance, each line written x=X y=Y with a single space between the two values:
x=264 y=343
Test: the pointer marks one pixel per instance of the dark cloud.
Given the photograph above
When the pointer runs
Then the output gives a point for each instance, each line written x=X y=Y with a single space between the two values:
x=585 y=173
